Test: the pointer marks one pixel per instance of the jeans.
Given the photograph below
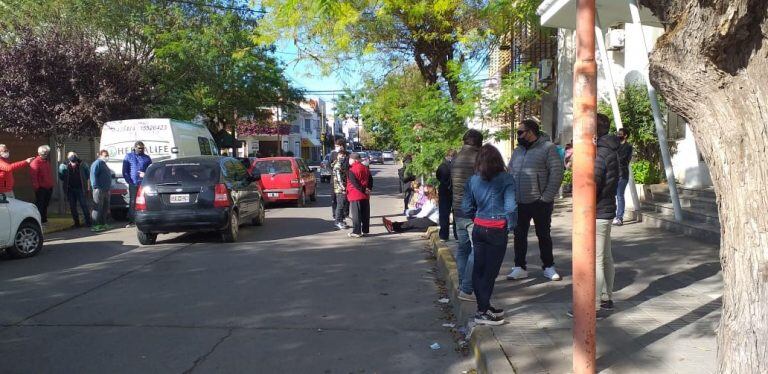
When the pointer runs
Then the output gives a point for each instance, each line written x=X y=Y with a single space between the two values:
x=101 y=207
x=42 y=199
x=620 y=198
x=604 y=269
x=334 y=202
x=132 y=191
x=413 y=224
x=541 y=213
x=361 y=216
x=446 y=203
x=465 y=257
x=490 y=247
x=77 y=197
x=342 y=206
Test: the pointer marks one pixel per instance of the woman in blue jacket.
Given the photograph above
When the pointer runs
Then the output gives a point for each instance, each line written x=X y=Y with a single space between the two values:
x=490 y=200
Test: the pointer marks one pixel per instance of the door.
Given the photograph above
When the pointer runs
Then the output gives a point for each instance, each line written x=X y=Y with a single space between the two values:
x=243 y=190
x=5 y=223
x=308 y=177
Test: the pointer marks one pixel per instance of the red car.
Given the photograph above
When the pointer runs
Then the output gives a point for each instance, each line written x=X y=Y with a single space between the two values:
x=286 y=179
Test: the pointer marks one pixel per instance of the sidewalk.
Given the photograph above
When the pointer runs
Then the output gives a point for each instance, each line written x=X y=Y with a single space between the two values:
x=668 y=299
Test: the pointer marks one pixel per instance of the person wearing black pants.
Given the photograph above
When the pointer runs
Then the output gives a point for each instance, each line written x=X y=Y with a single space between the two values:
x=42 y=199
x=445 y=194
x=541 y=213
x=427 y=217
x=359 y=186
x=490 y=245
x=361 y=216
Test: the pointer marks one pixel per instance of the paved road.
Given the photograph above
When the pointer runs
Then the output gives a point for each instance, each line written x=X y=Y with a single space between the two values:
x=293 y=296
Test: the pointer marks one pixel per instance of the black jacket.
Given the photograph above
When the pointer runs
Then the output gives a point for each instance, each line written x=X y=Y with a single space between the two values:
x=607 y=175
x=444 y=177
x=625 y=155
x=462 y=168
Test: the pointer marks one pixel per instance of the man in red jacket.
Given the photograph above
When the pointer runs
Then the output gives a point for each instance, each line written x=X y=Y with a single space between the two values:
x=42 y=180
x=6 y=170
x=359 y=185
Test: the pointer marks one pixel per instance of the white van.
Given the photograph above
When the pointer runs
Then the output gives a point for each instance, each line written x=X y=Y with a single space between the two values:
x=163 y=139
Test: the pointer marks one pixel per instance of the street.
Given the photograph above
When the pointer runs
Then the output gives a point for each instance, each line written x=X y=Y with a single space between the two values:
x=293 y=296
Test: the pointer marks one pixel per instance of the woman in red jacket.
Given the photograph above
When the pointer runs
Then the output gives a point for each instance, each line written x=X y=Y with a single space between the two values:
x=359 y=185
x=6 y=170
x=42 y=180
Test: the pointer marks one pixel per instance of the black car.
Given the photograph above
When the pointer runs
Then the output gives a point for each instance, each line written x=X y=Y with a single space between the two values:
x=376 y=157
x=198 y=194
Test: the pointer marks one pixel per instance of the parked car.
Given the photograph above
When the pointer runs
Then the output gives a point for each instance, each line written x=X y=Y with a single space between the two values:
x=376 y=157
x=21 y=234
x=163 y=139
x=326 y=170
x=388 y=155
x=287 y=179
x=198 y=194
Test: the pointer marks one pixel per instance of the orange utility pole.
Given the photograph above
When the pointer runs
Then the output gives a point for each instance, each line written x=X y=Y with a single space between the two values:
x=584 y=195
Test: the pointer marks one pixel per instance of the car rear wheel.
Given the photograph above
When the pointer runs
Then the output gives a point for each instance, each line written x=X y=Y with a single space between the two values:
x=230 y=233
x=146 y=238
x=261 y=217
x=27 y=242
x=302 y=200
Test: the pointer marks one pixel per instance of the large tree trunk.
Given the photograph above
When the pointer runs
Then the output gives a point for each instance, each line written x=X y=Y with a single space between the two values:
x=712 y=68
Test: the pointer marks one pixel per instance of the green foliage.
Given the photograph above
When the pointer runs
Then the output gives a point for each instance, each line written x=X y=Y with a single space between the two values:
x=567 y=177
x=516 y=88
x=637 y=117
x=646 y=172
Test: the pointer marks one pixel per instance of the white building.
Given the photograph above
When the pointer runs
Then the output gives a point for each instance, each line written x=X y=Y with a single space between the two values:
x=627 y=64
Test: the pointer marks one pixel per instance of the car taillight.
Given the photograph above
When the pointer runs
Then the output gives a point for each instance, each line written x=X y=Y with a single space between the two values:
x=221 y=198
x=141 y=202
x=295 y=183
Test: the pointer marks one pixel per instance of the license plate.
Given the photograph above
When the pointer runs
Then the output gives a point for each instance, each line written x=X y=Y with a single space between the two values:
x=179 y=199
x=273 y=194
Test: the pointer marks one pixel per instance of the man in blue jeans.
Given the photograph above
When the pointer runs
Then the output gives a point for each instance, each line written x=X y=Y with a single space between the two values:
x=625 y=155
x=463 y=168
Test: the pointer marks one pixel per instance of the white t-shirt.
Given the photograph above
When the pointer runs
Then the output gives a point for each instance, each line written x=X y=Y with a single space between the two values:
x=430 y=210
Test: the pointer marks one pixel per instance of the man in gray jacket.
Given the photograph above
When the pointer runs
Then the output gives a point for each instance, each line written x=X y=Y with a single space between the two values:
x=538 y=172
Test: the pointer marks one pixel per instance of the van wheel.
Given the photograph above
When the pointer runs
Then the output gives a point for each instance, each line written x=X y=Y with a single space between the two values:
x=313 y=196
x=261 y=217
x=146 y=238
x=302 y=201
x=230 y=233
x=27 y=242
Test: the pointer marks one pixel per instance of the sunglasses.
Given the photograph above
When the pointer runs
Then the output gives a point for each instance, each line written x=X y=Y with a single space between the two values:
x=521 y=132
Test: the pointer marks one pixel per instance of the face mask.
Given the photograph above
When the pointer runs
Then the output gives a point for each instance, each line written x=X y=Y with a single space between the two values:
x=105 y=158
x=523 y=141
x=351 y=162
x=337 y=148
x=5 y=154
x=72 y=159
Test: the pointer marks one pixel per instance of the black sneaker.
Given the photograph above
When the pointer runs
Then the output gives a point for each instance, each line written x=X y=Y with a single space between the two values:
x=496 y=311
x=600 y=314
x=488 y=319
x=607 y=305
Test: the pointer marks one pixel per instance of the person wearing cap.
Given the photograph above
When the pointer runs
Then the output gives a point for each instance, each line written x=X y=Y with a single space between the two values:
x=135 y=165
x=74 y=175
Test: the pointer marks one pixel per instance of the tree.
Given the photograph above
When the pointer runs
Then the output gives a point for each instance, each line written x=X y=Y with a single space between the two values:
x=435 y=35
x=712 y=69
x=57 y=83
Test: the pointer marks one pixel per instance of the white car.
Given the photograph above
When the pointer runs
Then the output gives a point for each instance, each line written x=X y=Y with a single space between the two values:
x=388 y=155
x=21 y=234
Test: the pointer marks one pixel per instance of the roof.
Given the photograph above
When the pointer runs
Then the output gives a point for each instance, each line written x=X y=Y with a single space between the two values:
x=562 y=14
x=190 y=159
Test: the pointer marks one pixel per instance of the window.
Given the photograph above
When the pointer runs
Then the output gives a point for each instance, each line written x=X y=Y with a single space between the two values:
x=205 y=146
x=274 y=167
x=188 y=173
x=307 y=125
x=235 y=174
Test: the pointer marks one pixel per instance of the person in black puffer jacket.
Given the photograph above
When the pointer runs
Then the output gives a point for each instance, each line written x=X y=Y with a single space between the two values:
x=606 y=181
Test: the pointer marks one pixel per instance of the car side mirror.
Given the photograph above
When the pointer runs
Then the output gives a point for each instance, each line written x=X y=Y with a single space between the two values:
x=3 y=199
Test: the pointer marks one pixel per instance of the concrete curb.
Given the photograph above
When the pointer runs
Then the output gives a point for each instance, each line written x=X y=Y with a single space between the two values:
x=486 y=349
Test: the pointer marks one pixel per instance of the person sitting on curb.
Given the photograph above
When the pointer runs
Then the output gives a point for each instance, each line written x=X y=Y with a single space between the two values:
x=428 y=216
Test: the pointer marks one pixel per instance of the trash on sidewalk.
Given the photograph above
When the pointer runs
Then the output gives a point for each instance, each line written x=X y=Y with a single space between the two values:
x=451 y=325
x=444 y=300
x=435 y=346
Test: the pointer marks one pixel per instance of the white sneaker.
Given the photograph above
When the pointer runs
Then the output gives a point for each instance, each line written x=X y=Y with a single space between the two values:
x=551 y=273
x=517 y=273
x=353 y=235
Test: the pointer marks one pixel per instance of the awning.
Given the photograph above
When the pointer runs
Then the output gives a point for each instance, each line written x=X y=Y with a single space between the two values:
x=310 y=142
x=562 y=13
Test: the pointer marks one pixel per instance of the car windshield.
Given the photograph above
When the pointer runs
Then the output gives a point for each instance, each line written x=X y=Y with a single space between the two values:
x=178 y=174
x=375 y=154
x=363 y=154
x=274 y=166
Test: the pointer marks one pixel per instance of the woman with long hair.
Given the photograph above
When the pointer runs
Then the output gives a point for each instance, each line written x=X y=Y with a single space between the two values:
x=428 y=216
x=490 y=200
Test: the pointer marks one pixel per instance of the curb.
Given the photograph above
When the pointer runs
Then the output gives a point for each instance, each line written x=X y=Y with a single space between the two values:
x=486 y=349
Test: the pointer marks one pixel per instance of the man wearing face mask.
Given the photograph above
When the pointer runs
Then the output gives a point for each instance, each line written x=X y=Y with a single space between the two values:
x=625 y=155
x=135 y=165
x=42 y=181
x=340 y=145
x=6 y=171
x=75 y=177
x=538 y=172
x=101 y=180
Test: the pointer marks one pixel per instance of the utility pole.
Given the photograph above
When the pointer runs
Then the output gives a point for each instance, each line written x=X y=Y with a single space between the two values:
x=584 y=191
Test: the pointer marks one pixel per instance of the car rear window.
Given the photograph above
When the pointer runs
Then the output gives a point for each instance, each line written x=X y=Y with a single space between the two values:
x=274 y=167
x=190 y=173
